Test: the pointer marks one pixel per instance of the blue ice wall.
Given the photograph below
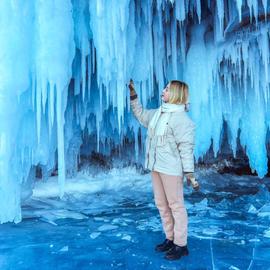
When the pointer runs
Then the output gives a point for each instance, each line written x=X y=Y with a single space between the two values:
x=65 y=65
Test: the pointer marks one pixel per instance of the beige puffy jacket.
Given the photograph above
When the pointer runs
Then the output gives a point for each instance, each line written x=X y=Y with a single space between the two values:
x=175 y=155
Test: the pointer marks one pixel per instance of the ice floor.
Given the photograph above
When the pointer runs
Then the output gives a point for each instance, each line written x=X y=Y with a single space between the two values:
x=109 y=221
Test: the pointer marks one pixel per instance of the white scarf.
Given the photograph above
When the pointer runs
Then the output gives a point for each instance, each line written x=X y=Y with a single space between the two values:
x=167 y=108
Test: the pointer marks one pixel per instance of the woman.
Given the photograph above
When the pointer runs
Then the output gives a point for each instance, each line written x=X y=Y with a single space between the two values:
x=169 y=156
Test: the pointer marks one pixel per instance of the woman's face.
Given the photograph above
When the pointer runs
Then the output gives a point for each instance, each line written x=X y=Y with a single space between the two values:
x=166 y=93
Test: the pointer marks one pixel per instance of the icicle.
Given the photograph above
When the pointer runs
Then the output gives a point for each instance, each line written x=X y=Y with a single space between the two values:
x=168 y=43
x=230 y=90
x=60 y=142
x=38 y=111
x=220 y=13
x=159 y=51
x=93 y=54
x=245 y=60
x=174 y=49
x=81 y=38
x=53 y=64
x=263 y=44
x=99 y=7
x=253 y=5
x=83 y=76
x=151 y=59
x=180 y=11
x=98 y=130
x=77 y=82
x=51 y=107
x=182 y=38
x=239 y=8
x=265 y=8
x=44 y=92
x=198 y=9
x=89 y=70
x=33 y=92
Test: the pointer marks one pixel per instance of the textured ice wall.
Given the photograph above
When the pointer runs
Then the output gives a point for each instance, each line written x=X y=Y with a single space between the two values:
x=65 y=64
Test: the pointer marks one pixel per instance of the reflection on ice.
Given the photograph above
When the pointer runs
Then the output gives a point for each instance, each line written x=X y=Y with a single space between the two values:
x=107 y=227
x=116 y=223
x=95 y=235
x=266 y=233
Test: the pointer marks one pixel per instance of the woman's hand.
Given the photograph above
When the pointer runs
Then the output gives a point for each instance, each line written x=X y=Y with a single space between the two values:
x=131 y=87
x=192 y=180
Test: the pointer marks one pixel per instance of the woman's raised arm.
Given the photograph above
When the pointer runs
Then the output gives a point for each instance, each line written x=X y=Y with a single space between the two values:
x=143 y=116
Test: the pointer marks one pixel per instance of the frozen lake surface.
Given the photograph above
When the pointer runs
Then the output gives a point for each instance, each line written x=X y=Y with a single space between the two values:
x=109 y=221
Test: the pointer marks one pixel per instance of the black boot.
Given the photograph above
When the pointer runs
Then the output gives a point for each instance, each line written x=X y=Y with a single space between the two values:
x=165 y=246
x=176 y=252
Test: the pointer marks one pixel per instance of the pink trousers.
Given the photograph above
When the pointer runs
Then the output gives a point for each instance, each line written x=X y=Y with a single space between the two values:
x=169 y=199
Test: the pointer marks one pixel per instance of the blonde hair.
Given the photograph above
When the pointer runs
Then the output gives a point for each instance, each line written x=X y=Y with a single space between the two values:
x=178 y=92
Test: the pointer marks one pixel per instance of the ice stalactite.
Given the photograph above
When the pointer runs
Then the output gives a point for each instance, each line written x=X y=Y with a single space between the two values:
x=38 y=57
x=246 y=74
x=65 y=66
x=82 y=36
x=239 y=8
x=109 y=22
x=220 y=14
x=201 y=59
x=15 y=159
x=55 y=50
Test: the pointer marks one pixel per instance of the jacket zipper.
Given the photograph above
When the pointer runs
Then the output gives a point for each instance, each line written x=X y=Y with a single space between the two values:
x=156 y=149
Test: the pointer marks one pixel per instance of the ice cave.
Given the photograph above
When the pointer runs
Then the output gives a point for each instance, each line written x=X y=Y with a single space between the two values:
x=74 y=193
